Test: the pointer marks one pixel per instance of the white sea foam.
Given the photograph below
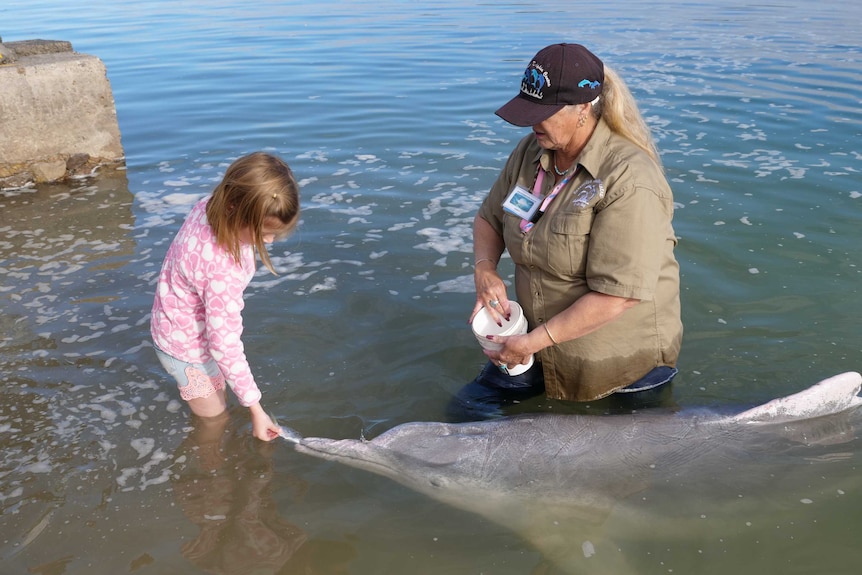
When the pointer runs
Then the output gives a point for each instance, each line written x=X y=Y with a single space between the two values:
x=144 y=446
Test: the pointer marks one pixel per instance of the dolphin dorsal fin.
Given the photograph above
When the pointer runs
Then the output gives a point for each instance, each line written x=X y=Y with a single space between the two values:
x=833 y=395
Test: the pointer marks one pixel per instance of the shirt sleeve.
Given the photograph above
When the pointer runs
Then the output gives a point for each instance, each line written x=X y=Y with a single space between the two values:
x=222 y=288
x=628 y=238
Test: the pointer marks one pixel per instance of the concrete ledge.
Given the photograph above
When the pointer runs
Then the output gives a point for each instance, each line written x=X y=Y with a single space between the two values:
x=57 y=114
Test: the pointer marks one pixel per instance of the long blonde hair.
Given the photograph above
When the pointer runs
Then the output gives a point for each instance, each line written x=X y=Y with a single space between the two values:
x=255 y=188
x=620 y=111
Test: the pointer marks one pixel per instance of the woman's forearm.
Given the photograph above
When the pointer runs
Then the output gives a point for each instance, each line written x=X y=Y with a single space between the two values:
x=589 y=313
x=488 y=245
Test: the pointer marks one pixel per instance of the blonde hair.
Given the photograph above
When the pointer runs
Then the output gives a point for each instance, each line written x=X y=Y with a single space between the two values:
x=620 y=111
x=255 y=189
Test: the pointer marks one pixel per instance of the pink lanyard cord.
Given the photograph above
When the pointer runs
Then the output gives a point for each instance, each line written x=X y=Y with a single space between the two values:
x=527 y=225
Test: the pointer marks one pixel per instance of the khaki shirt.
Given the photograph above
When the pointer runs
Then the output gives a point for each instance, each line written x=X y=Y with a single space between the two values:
x=609 y=230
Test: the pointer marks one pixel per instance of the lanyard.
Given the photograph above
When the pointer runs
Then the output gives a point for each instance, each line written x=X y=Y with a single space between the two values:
x=527 y=225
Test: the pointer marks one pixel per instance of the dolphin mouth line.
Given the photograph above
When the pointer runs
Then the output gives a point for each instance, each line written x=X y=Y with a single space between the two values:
x=303 y=445
x=379 y=466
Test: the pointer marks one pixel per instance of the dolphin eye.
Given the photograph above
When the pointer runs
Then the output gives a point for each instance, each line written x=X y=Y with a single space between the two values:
x=435 y=483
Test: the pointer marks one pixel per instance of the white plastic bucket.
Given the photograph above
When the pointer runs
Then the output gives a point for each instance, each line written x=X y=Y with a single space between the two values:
x=483 y=325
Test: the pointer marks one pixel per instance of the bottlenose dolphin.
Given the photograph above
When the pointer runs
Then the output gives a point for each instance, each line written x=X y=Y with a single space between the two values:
x=575 y=486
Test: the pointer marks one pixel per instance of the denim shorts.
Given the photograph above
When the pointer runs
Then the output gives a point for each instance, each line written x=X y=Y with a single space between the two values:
x=194 y=380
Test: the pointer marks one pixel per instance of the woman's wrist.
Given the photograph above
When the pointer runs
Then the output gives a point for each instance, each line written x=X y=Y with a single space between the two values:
x=493 y=262
x=549 y=334
x=543 y=337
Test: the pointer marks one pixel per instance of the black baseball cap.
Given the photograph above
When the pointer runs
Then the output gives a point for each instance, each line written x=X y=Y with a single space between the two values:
x=559 y=75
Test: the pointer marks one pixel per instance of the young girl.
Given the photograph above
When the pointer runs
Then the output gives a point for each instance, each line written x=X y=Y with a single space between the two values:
x=196 y=321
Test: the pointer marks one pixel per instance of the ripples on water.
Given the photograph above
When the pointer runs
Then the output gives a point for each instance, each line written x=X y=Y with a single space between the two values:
x=386 y=115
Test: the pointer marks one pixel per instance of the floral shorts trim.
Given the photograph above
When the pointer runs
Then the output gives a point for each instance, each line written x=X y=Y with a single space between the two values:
x=194 y=380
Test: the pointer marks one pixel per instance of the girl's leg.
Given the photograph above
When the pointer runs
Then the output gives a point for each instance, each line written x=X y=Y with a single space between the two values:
x=206 y=436
x=210 y=406
x=205 y=391
x=208 y=429
x=201 y=385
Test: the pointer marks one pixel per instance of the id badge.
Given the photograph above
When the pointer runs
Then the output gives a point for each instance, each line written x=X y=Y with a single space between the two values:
x=520 y=202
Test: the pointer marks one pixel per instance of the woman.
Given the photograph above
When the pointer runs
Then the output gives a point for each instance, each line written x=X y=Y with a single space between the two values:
x=594 y=264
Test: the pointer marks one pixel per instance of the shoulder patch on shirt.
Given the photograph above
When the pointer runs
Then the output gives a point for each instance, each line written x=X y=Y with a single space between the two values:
x=584 y=195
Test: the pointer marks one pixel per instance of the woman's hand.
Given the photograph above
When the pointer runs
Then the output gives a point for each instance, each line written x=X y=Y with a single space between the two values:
x=490 y=293
x=488 y=246
x=516 y=349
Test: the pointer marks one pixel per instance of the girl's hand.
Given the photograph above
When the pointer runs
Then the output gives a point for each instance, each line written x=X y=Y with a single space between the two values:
x=262 y=425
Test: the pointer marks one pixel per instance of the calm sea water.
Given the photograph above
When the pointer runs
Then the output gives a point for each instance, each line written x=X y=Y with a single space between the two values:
x=385 y=112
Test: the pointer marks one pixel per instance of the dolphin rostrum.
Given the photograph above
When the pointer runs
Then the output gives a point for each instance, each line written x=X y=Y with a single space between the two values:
x=575 y=486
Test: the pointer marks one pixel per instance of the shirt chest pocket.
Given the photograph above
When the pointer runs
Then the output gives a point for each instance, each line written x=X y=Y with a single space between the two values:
x=569 y=241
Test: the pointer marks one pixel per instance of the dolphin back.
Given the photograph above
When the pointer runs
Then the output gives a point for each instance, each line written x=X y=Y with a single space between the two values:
x=834 y=395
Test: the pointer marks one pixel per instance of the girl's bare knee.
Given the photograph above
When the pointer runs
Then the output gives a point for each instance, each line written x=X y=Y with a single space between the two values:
x=211 y=406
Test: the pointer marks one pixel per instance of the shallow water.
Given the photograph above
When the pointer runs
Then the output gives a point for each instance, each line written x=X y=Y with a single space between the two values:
x=385 y=113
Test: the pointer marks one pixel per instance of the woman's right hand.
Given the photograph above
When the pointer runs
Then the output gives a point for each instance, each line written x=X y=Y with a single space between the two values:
x=488 y=246
x=490 y=290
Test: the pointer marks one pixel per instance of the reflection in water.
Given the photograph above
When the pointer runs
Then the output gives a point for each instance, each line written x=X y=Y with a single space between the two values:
x=62 y=250
x=61 y=247
x=223 y=483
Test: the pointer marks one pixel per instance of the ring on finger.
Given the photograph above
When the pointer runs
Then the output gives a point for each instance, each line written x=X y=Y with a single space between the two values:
x=494 y=303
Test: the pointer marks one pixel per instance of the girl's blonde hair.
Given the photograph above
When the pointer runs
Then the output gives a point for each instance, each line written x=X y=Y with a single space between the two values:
x=255 y=190
x=620 y=111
